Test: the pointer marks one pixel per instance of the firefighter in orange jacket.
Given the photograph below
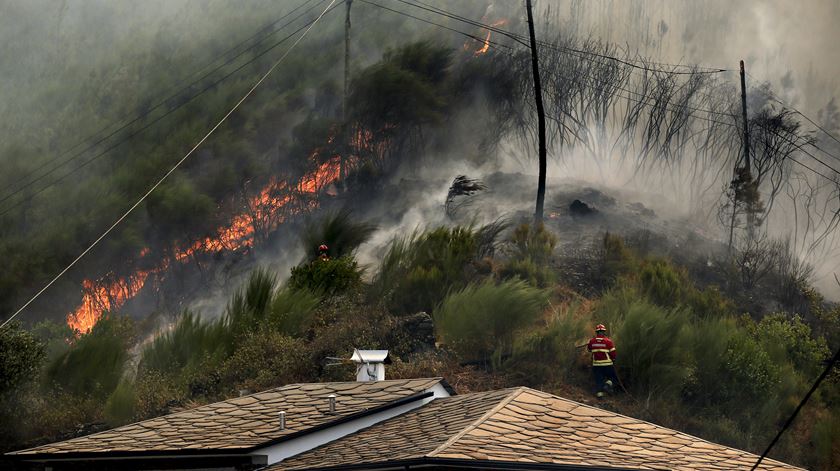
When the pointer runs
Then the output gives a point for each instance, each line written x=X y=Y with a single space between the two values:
x=603 y=355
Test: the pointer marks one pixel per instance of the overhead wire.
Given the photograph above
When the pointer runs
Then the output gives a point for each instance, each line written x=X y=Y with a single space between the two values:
x=777 y=99
x=521 y=38
x=644 y=103
x=174 y=167
x=210 y=86
x=156 y=106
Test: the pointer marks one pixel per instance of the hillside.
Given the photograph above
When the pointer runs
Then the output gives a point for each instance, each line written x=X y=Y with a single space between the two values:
x=718 y=287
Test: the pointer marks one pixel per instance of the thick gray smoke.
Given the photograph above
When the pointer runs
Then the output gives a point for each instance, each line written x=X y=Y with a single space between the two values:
x=792 y=45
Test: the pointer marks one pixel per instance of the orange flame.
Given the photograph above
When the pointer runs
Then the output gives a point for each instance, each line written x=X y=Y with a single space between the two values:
x=109 y=293
x=485 y=45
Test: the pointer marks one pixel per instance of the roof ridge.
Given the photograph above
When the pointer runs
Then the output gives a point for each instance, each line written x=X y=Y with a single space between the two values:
x=740 y=451
x=510 y=397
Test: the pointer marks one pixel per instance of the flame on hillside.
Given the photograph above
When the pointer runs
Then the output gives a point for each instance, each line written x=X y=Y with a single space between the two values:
x=485 y=44
x=269 y=208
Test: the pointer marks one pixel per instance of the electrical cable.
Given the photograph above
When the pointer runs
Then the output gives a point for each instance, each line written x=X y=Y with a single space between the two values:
x=156 y=120
x=174 y=167
x=799 y=407
x=180 y=90
x=521 y=38
x=644 y=103
x=778 y=100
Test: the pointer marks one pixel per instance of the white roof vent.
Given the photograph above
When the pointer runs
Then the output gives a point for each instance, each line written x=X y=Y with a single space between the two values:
x=370 y=364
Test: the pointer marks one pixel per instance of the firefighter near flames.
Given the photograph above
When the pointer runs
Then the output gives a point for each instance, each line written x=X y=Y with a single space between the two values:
x=603 y=353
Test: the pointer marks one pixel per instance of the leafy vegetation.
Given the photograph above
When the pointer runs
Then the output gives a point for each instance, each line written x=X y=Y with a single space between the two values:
x=695 y=351
x=685 y=358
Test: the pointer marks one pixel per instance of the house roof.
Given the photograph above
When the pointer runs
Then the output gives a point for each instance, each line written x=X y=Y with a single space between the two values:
x=242 y=423
x=525 y=428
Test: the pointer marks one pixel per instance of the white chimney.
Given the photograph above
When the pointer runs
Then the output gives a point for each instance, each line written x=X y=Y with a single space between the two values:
x=370 y=364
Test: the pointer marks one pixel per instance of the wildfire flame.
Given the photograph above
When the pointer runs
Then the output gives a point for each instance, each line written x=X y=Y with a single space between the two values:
x=110 y=292
x=485 y=45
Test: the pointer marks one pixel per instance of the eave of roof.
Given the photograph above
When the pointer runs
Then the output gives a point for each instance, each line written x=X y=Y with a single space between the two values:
x=188 y=452
x=517 y=430
x=418 y=463
x=422 y=386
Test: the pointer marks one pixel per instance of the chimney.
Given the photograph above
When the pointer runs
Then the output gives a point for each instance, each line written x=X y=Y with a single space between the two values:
x=332 y=403
x=282 y=418
x=370 y=364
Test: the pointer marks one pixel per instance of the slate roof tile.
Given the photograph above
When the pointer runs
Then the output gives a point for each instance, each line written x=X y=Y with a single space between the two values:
x=524 y=426
x=242 y=422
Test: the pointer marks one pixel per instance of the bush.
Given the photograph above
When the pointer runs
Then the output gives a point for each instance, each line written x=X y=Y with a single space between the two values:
x=266 y=359
x=190 y=343
x=530 y=254
x=121 y=405
x=481 y=321
x=291 y=310
x=536 y=244
x=663 y=283
x=418 y=271
x=650 y=351
x=94 y=364
x=547 y=355
x=790 y=340
x=331 y=276
x=749 y=372
x=21 y=357
x=339 y=232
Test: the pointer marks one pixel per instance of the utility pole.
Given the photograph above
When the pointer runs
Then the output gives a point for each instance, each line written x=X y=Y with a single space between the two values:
x=344 y=126
x=746 y=122
x=538 y=212
x=742 y=179
x=747 y=168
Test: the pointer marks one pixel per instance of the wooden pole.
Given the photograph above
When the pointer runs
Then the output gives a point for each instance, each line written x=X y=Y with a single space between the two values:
x=344 y=126
x=538 y=211
x=746 y=121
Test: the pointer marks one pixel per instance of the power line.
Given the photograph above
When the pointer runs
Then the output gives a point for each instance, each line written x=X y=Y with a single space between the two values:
x=156 y=120
x=159 y=104
x=778 y=100
x=799 y=407
x=471 y=36
x=174 y=167
x=520 y=38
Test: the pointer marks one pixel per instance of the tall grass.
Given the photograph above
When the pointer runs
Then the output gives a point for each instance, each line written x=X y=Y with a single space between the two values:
x=419 y=270
x=95 y=363
x=481 y=321
x=339 y=232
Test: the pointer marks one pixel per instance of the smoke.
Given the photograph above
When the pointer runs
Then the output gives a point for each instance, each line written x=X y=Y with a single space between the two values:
x=62 y=60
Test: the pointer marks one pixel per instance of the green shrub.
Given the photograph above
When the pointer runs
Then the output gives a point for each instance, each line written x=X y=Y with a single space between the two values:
x=749 y=372
x=707 y=341
x=536 y=244
x=332 y=276
x=291 y=310
x=481 y=321
x=651 y=356
x=790 y=340
x=547 y=355
x=190 y=343
x=21 y=357
x=266 y=359
x=249 y=305
x=94 y=364
x=418 y=271
x=616 y=259
x=663 y=283
x=341 y=234
x=121 y=405
x=527 y=270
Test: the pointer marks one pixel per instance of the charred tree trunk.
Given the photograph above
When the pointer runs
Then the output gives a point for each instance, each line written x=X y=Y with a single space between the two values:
x=538 y=212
